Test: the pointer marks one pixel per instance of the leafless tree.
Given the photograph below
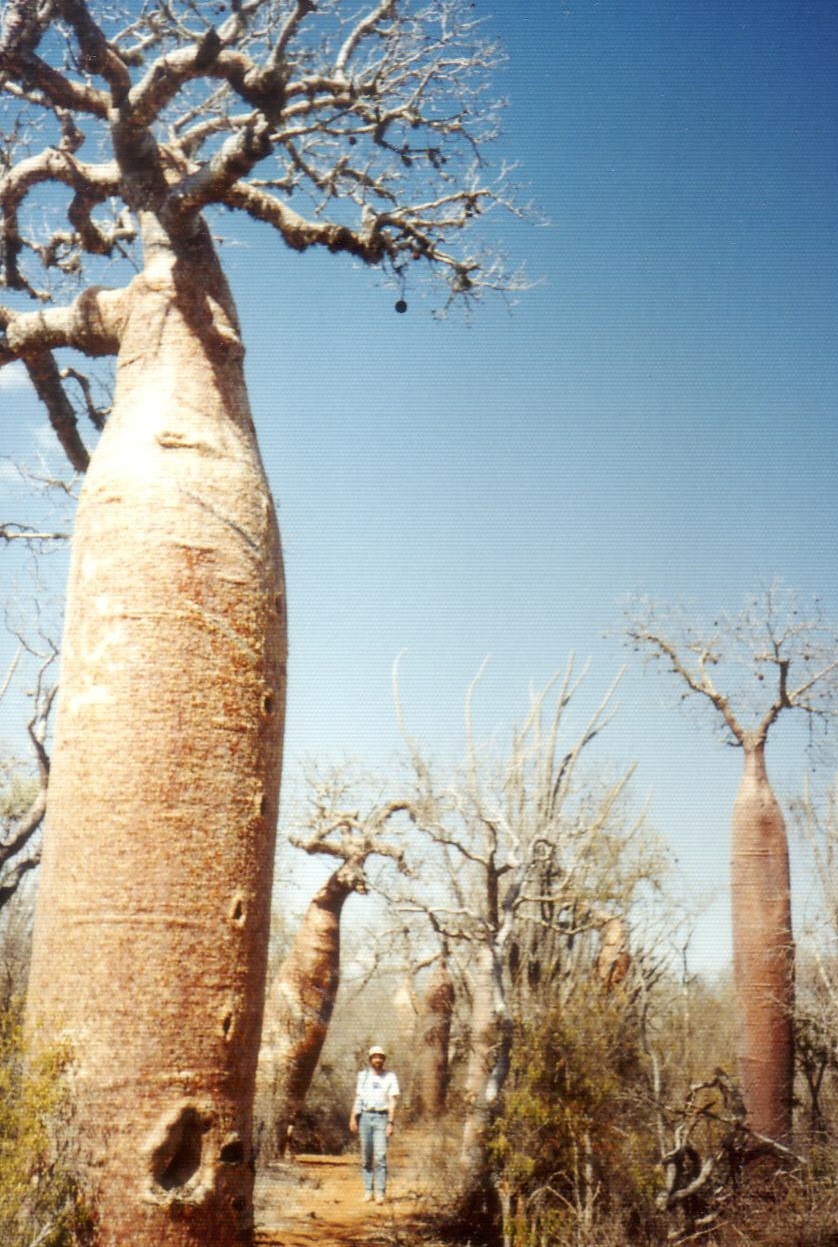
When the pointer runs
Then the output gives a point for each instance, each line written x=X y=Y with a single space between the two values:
x=526 y=853
x=24 y=801
x=121 y=125
x=772 y=658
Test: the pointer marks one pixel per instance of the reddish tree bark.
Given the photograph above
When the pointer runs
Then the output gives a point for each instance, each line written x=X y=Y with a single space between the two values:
x=434 y=1038
x=151 y=929
x=613 y=960
x=792 y=665
x=763 y=950
x=299 y=1009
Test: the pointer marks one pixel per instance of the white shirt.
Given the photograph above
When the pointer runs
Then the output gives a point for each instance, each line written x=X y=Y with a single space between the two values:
x=373 y=1092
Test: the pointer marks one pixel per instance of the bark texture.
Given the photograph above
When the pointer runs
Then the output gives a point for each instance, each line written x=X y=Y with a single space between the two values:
x=763 y=956
x=151 y=931
x=299 y=1009
x=434 y=1038
x=486 y=1069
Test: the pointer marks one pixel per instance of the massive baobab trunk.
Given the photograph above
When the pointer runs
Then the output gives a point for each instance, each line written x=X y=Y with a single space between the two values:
x=763 y=952
x=434 y=1038
x=299 y=1009
x=150 y=943
x=151 y=931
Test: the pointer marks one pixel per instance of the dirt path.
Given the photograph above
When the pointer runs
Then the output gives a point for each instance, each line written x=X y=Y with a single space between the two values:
x=318 y=1199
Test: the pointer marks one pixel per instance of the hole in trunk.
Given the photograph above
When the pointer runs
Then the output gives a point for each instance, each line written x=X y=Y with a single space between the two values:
x=232 y=1153
x=227 y=1024
x=178 y=1158
x=268 y=704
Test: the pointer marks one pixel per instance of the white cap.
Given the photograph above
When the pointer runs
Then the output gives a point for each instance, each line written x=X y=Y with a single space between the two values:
x=375 y=1050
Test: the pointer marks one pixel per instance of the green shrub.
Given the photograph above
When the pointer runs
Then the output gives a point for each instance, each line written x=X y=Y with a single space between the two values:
x=40 y=1197
x=575 y=1148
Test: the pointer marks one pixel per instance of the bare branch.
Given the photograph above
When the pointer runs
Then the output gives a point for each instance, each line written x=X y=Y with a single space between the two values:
x=46 y=378
x=367 y=244
x=98 y=56
x=11 y=531
x=10 y=671
x=364 y=27
x=770 y=633
x=91 y=324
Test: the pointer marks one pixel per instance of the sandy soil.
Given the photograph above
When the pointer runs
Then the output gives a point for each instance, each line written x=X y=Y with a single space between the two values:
x=318 y=1199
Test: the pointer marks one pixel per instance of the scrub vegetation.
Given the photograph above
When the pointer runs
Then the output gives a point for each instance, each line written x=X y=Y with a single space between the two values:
x=41 y=1199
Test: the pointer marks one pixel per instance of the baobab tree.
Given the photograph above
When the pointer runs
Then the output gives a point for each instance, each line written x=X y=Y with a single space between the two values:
x=774 y=658
x=122 y=124
x=302 y=997
x=434 y=1038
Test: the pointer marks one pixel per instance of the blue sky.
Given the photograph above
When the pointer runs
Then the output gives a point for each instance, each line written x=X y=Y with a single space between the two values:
x=656 y=416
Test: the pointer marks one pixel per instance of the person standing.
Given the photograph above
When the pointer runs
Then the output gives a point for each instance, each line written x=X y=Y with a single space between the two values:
x=372 y=1119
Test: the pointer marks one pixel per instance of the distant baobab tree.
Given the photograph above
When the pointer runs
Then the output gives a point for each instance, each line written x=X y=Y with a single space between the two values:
x=774 y=657
x=302 y=997
x=434 y=1038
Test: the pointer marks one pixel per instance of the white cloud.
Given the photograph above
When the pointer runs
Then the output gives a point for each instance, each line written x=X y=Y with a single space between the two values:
x=13 y=377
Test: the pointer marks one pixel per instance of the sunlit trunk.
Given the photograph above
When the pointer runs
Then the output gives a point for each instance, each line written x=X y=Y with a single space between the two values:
x=613 y=960
x=487 y=1063
x=763 y=951
x=152 y=919
x=434 y=1038
x=297 y=1016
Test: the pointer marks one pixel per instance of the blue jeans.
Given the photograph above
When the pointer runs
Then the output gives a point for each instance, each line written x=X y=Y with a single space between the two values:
x=372 y=1130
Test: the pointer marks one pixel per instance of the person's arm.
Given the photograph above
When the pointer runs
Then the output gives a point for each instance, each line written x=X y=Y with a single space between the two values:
x=356 y=1106
x=392 y=1101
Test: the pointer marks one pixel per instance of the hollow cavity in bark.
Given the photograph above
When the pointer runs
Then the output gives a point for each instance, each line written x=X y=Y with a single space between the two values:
x=178 y=1157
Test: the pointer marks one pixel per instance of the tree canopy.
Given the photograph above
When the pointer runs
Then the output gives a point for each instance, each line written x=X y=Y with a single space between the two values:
x=363 y=131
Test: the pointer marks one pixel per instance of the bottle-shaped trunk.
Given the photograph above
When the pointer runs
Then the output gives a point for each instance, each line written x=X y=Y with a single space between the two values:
x=151 y=931
x=763 y=951
x=297 y=1015
x=434 y=1039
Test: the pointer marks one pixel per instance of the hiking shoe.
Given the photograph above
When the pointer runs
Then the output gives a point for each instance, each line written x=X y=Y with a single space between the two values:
x=379 y=1198
x=367 y=1197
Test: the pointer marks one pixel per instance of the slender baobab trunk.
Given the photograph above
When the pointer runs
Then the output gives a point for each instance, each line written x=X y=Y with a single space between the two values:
x=434 y=1037
x=299 y=1009
x=763 y=955
x=613 y=960
x=152 y=920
